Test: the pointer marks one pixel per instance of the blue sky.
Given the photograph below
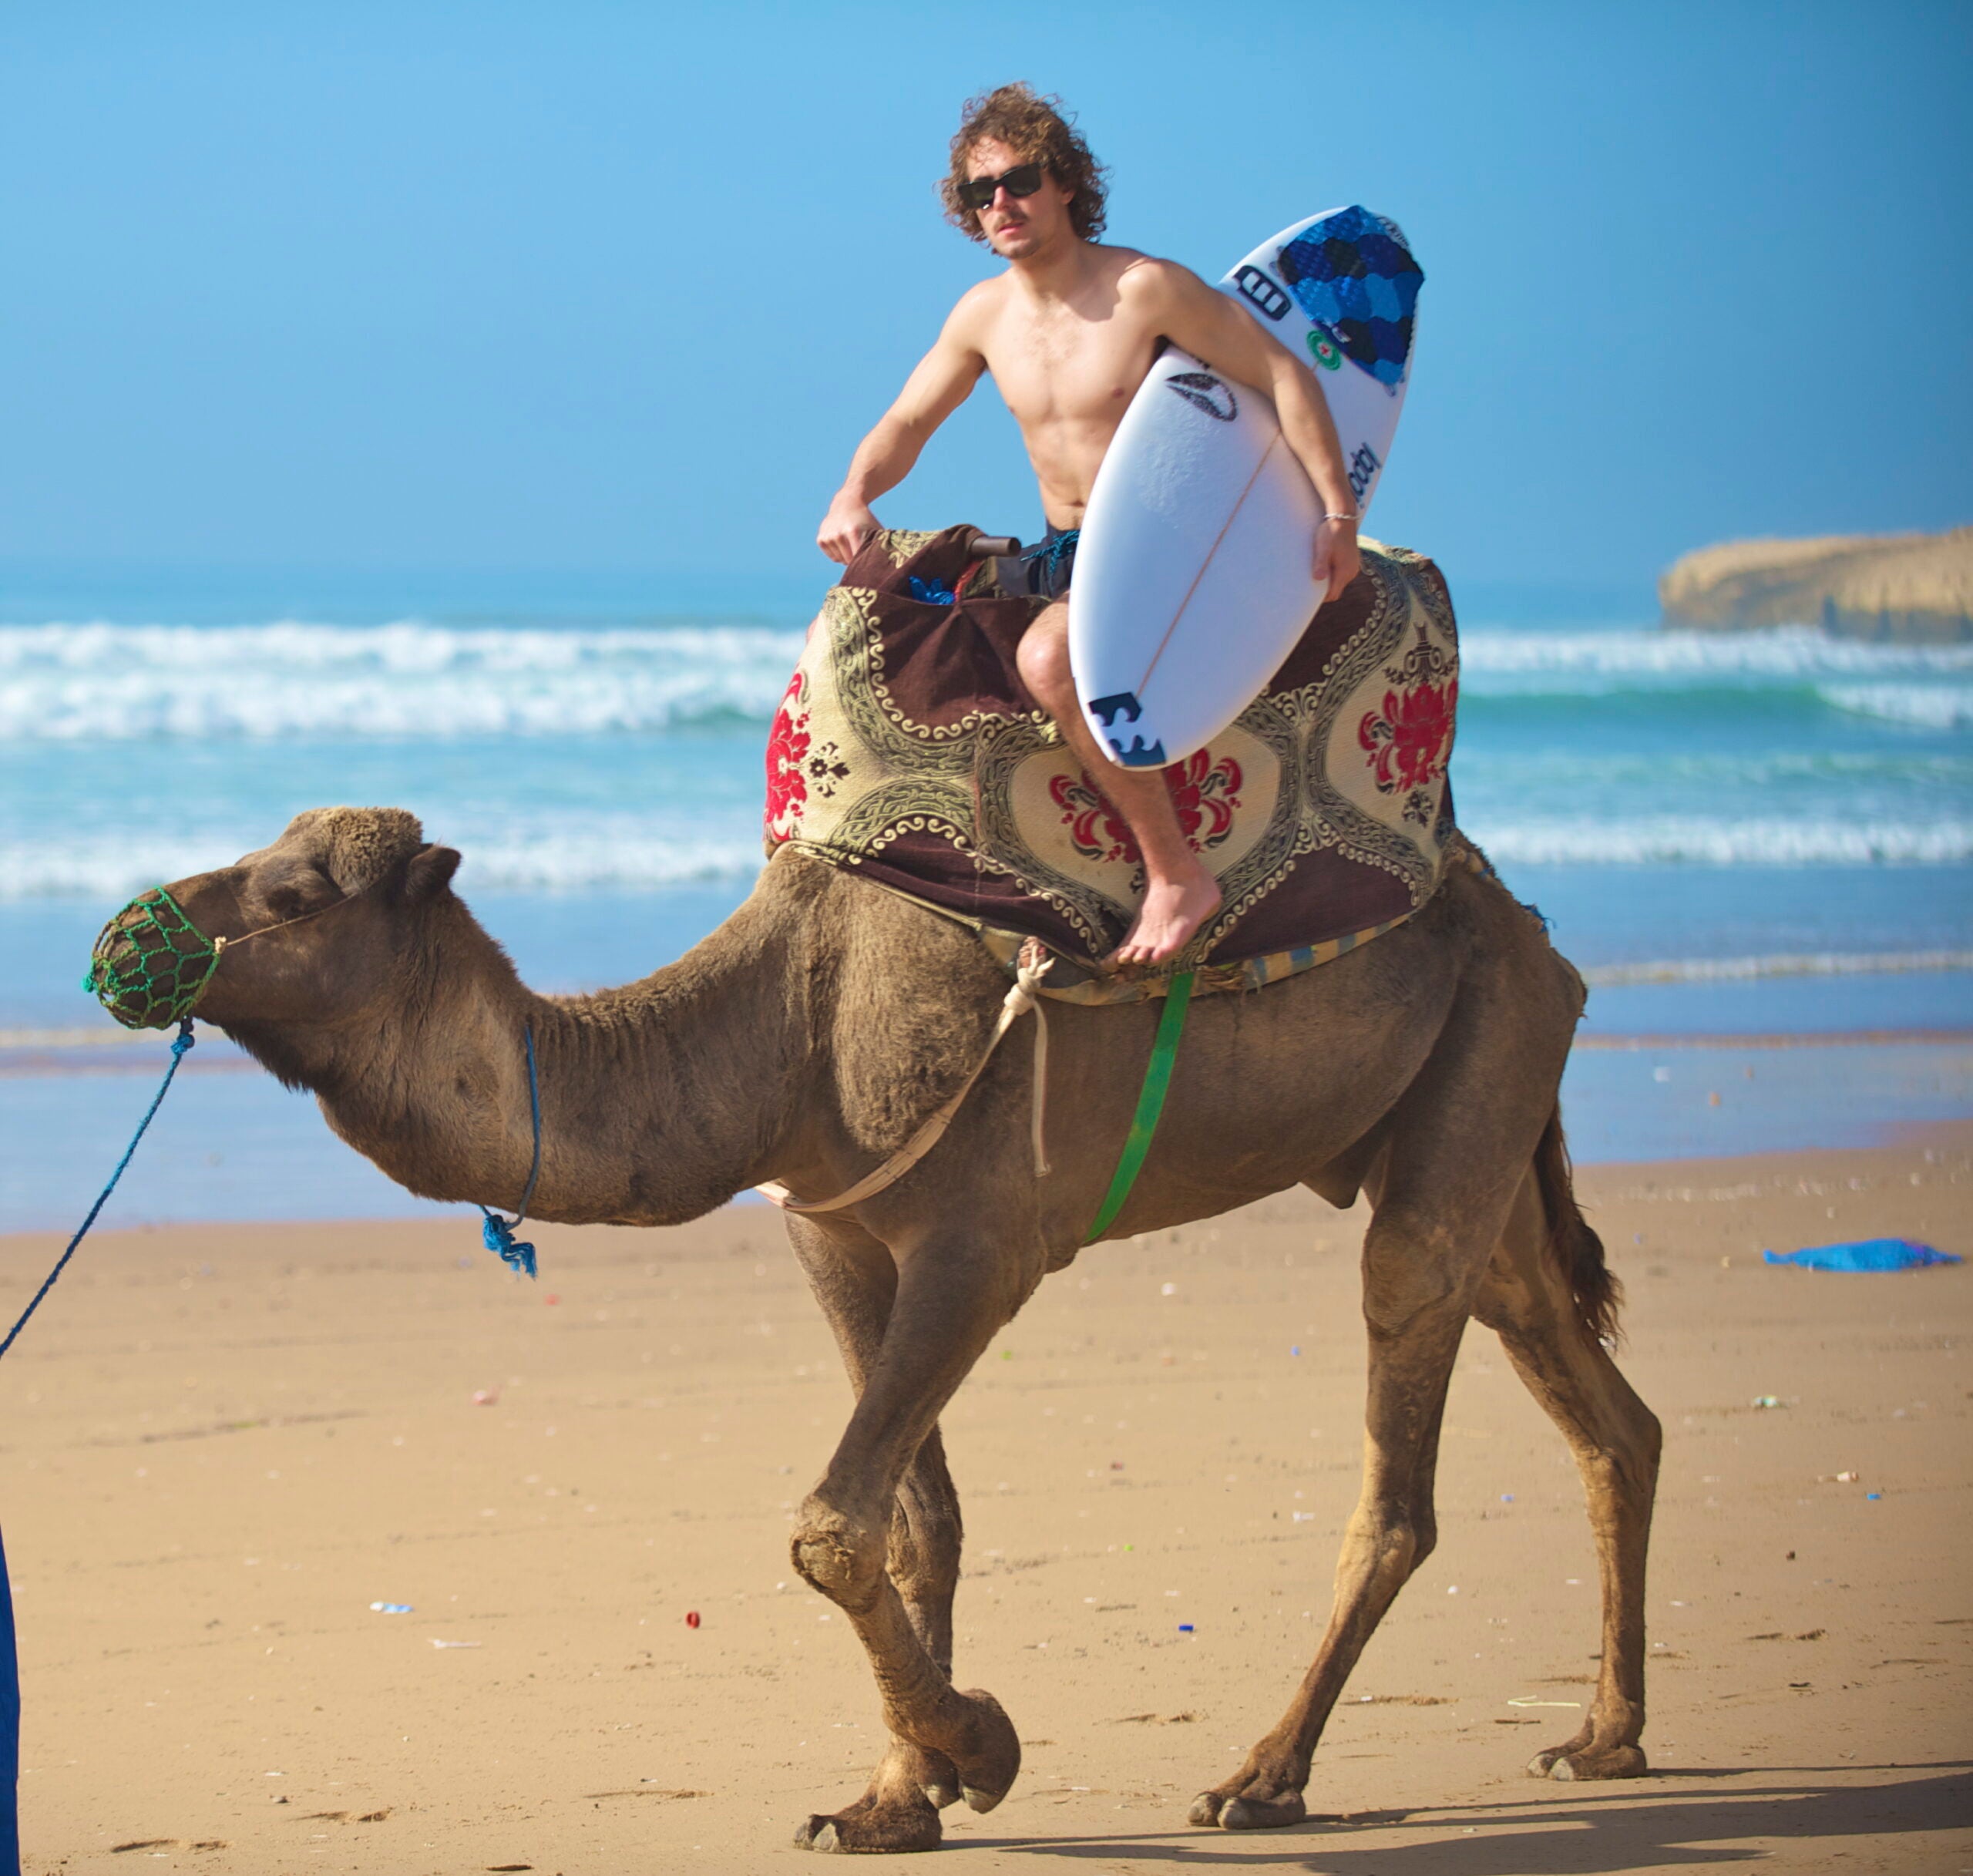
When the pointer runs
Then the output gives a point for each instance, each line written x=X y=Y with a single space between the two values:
x=584 y=291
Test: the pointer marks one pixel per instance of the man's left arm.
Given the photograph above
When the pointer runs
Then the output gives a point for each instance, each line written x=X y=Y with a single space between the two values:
x=1208 y=324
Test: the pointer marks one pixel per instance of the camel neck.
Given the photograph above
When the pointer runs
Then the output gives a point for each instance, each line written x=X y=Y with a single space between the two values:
x=658 y=1098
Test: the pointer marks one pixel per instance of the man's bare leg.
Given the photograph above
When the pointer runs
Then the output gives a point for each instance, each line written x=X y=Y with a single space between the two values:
x=1180 y=894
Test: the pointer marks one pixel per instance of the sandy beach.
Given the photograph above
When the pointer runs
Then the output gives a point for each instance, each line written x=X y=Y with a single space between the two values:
x=225 y=1444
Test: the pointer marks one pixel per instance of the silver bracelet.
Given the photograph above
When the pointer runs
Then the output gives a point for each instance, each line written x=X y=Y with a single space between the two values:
x=1350 y=518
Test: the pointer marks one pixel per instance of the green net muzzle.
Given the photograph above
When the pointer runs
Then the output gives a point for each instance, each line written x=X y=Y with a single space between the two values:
x=150 y=963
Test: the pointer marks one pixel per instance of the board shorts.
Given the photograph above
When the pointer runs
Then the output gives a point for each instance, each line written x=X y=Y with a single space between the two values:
x=1046 y=569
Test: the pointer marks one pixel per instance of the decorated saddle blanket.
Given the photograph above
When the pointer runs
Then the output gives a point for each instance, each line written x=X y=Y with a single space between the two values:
x=906 y=748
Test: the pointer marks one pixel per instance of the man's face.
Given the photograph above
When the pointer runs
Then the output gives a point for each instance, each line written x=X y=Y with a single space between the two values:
x=1019 y=225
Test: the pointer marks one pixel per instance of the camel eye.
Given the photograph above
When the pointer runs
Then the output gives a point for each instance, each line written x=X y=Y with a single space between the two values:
x=304 y=892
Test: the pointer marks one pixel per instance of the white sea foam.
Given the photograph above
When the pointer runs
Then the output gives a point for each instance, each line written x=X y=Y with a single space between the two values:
x=1692 y=839
x=1779 y=964
x=1789 y=653
x=1932 y=706
x=96 y=681
x=624 y=858
x=626 y=854
x=70 y=683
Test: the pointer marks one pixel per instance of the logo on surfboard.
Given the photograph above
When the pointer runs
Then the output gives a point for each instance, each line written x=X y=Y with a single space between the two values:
x=1105 y=710
x=1209 y=393
x=1261 y=293
x=1363 y=467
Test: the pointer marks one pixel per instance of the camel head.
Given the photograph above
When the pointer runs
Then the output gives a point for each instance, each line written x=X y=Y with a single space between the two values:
x=328 y=926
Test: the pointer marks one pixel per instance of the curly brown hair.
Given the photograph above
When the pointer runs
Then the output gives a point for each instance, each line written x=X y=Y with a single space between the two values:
x=1037 y=130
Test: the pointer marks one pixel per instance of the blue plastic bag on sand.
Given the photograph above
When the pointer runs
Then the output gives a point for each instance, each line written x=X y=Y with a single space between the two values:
x=1867 y=1254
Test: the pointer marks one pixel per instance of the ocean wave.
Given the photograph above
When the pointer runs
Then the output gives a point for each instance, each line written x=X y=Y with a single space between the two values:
x=626 y=854
x=414 y=679
x=1778 y=964
x=576 y=860
x=1787 y=654
x=1697 y=840
x=118 y=683
x=1932 y=706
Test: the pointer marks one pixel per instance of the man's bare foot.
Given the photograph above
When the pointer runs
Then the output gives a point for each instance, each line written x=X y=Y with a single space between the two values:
x=1172 y=911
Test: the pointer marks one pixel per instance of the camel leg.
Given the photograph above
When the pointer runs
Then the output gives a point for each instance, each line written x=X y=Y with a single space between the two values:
x=855 y=1281
x=1615 y=1439
x=1392 y=1531
x=880 y=1535
x=1460 y=1141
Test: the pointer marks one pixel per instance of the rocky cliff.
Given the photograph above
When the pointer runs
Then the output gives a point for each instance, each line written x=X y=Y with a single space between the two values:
x=1912 y=589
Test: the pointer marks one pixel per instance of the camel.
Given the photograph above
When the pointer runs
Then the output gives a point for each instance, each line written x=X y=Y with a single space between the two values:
x=808 y=1036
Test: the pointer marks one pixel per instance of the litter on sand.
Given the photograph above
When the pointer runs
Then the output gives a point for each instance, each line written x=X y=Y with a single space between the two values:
x=1765 y=1400
x=437 y=1643
x=691 y=1619
x=1864 y=1254
x=1530 y=1700
x=392 y=1608
x=1186 y=1628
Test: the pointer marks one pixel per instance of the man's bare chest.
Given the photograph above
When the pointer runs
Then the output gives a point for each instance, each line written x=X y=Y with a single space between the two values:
x=1065 y=370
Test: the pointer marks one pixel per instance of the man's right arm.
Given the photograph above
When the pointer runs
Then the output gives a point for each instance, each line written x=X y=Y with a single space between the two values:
x=943 y=380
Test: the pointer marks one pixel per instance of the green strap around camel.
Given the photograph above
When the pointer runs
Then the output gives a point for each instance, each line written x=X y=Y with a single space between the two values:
x=1150 y=1104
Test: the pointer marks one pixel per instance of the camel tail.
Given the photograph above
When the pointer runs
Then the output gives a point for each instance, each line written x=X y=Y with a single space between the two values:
x=1578 y=1249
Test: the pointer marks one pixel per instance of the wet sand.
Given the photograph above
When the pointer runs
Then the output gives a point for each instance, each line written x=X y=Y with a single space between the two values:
x=223 y=1444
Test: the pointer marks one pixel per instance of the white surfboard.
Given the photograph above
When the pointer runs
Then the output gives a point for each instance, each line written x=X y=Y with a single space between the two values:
x=1192 y=577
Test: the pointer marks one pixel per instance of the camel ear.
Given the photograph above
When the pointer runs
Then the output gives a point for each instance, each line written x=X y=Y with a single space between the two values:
x=430 y=872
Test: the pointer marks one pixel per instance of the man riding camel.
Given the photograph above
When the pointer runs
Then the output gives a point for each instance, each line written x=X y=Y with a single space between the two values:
x=1069 y=332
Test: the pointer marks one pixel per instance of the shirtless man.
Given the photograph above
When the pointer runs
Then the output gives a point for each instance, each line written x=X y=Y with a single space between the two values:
x=1068 y=332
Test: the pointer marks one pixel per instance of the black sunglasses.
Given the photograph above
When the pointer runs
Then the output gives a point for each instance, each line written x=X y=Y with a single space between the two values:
x=1023 y=180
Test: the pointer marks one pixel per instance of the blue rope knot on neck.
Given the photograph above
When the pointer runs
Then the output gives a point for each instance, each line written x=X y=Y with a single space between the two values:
x=497 y=1233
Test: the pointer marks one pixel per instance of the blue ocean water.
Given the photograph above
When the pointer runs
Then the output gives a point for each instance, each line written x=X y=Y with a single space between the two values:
x=1749 y=833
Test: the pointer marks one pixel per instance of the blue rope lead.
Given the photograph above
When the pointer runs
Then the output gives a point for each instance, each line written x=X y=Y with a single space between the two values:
x=497 y=1234
x=178 y=1048
x=10 y=1676
x=10 y=1731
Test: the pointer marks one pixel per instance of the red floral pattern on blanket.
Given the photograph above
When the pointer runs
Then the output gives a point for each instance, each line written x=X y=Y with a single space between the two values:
x=1206 y=794
x=1409 y=738
x=788 y=749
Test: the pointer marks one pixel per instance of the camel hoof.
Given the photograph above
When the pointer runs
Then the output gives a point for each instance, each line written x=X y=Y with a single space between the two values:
x=1572 y=1767
x=1212 y=1808
x=937 y=1778
x=1263 y=1813
x=987 y=1773
x=868 y=1832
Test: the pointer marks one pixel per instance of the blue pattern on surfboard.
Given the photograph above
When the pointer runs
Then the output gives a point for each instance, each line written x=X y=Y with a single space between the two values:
x=1352 y=275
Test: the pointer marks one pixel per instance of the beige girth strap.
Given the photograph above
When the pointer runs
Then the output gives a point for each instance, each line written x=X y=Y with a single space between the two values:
x=1033 y=965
